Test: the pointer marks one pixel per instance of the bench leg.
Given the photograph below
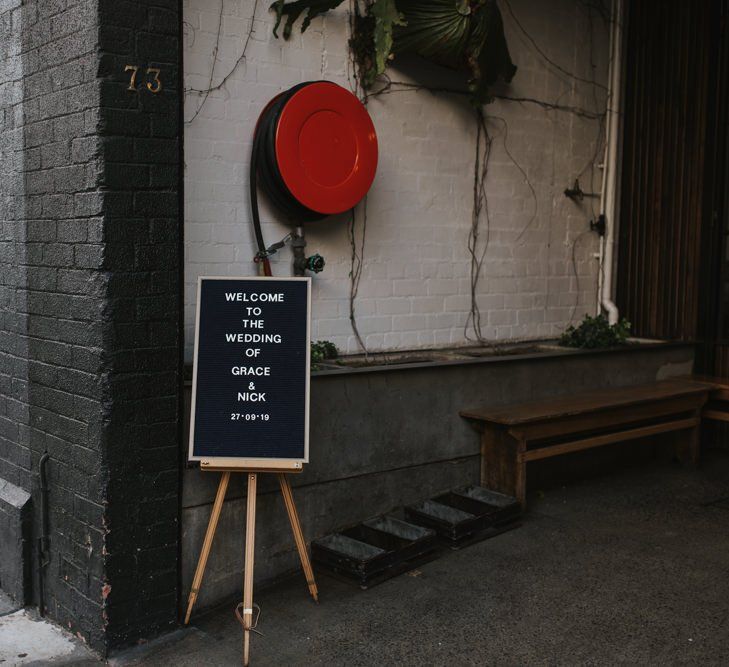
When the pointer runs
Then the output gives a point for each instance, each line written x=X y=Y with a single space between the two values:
x=502 y=469
x=688 y=443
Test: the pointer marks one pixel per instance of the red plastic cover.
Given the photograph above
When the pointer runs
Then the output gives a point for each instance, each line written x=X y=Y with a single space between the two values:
x=326 y=148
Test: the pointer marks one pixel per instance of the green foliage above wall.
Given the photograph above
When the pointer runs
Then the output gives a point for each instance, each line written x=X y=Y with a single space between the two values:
x=322 y=350
x=461 y=35
x=466 y=35
x=596 y=332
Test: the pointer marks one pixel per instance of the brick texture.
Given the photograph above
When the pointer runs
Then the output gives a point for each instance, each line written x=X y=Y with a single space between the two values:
x=14 y=416
x=140 y=149
x=52 y=368
x=89 y=293
x=415 y=285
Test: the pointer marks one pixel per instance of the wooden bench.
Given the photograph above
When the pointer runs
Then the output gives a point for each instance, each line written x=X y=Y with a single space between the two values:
x=514 y=435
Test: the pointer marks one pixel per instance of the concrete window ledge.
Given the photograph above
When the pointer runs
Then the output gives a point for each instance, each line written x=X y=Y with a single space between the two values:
x=457 y=356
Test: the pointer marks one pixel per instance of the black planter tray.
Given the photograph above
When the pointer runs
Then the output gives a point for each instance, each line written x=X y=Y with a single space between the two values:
x=374 y=550
x=466 y=515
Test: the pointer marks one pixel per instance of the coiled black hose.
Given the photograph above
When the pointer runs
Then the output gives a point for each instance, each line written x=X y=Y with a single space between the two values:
x=265 y=172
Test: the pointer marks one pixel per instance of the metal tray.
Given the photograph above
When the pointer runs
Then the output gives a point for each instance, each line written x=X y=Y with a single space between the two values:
x=466 y=515
x=374 y=550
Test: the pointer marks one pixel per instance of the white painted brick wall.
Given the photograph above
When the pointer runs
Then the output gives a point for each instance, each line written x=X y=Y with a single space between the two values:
x=415 y=288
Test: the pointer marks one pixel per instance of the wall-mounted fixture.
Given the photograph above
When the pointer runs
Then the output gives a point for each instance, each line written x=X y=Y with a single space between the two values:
x=314 y=155
x=599 y=225
x=575 y=193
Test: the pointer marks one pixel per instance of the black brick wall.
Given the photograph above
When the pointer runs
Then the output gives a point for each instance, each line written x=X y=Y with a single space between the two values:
x=89 y=303
x=140 y=149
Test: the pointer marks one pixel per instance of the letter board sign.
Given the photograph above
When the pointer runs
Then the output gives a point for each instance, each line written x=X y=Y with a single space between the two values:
x=250 y=391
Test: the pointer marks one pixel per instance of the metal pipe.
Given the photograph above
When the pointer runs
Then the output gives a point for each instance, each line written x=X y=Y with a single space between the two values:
x=298 y=245
x=42 y=544
x=610 y=172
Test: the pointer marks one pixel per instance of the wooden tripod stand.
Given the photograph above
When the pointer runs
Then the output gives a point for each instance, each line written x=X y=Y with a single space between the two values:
x=288 y=497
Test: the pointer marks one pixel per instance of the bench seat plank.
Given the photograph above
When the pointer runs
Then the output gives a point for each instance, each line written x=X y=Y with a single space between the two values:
x=597 y=401
x=610 y=418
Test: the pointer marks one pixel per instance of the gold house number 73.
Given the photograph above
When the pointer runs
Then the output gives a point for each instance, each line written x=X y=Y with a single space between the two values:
x=154 y=85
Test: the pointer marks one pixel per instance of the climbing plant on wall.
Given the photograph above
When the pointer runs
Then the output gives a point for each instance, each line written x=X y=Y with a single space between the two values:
x=466 y=35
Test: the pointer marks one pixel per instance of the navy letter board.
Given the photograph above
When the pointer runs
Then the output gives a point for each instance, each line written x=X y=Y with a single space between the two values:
x=250 y=392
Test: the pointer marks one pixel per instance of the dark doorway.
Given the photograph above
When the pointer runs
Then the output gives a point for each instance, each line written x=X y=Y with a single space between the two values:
x=673 y=262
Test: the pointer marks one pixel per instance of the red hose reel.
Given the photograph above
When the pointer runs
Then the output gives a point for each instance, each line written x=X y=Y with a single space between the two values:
x=314 y=153
x=326 y=148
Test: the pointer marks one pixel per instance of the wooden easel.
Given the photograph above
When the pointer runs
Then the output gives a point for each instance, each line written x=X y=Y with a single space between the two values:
x=288 y=498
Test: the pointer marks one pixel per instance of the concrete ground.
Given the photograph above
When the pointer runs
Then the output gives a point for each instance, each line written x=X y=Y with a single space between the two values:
x=26 y=639
x=626 y=568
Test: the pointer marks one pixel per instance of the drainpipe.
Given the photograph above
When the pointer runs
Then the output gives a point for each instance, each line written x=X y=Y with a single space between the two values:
x=608 y=199
x=42 y=547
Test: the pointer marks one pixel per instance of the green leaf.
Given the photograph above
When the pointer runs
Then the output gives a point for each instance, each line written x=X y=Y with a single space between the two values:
x=323 y=349
x=461 y=35
x=386 y=18
x=293 y=11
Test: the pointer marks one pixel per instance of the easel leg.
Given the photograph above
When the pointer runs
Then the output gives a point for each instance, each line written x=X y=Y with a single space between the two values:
x=288 y=497
x=248 y=573
x=207 y=543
